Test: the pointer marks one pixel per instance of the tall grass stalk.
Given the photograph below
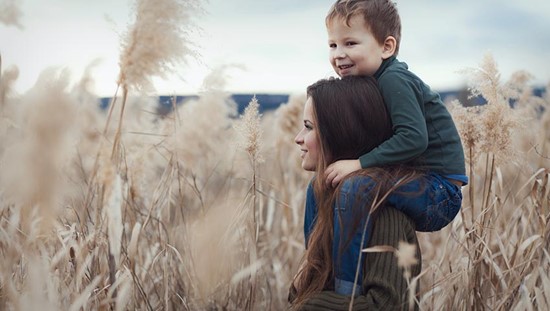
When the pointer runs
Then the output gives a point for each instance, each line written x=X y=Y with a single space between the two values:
x=249 y=128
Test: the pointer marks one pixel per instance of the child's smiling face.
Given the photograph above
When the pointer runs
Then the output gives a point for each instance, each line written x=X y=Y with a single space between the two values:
x=353 y=48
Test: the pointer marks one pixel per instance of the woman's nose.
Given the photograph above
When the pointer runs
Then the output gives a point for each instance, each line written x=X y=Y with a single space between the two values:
x=299 y=139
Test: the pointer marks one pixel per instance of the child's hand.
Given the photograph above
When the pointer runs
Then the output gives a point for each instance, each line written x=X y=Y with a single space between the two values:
x=340 y=169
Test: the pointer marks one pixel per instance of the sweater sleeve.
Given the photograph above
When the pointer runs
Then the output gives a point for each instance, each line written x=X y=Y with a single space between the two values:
x=410 y=135
x=384 y=286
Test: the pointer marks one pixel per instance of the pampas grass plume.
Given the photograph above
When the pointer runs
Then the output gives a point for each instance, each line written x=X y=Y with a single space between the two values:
x=216 y=249
x=34 y=165
x=406 y=255
x=250 y=130
x=156 y=43
x=469 y=128
x=497 y=120
x=10 y=13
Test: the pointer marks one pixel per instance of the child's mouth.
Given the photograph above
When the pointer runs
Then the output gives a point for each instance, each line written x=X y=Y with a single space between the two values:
x=343 y=67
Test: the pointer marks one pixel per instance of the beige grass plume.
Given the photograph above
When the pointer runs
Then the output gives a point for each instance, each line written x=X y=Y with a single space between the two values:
x=197 y=129
x=218 y=246
x=250 y=130
x=498 y=121
x=469 y=128
x=406 y=257
x=10 y=13
x=157 y=41
x=153 y=46
x=33 y=172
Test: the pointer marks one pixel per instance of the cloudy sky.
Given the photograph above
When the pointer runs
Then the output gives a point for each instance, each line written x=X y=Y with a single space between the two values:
x=279 y=46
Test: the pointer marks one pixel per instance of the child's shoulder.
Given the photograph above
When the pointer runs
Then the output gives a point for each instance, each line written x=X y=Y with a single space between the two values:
x=394 y=67
x=397 y=73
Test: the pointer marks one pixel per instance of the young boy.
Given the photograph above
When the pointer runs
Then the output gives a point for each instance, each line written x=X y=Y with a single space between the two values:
x=364 y=37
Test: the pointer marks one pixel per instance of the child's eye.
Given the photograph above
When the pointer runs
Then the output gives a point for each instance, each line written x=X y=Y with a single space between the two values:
x=332 y=45
x=349 y=43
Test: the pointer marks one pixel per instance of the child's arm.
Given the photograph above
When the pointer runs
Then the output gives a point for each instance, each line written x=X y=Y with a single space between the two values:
x=402 y=96
x=410 y=135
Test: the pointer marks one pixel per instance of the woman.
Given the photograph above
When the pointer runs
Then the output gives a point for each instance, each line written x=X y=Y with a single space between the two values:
x=344 y=118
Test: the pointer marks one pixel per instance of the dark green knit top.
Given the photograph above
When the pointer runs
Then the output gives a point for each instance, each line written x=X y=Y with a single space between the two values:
x=425 y=135
x=384 y=283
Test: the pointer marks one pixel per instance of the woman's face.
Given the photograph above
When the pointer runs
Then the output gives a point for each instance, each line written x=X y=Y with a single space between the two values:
x=307 y=139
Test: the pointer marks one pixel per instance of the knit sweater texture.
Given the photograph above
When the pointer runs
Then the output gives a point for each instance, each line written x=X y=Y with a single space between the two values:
x=425 y=135
x=384 y=284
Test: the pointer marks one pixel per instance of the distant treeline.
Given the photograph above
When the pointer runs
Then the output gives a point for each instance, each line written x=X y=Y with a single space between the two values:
x=272 y=101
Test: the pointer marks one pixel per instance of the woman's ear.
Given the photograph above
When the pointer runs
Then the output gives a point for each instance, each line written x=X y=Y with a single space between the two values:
x=389 y=45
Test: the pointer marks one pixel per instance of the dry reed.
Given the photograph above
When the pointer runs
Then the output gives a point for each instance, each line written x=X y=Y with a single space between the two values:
x=156 y=42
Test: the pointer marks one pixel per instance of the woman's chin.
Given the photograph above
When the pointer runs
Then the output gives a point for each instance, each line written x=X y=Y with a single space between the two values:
x=308 y=167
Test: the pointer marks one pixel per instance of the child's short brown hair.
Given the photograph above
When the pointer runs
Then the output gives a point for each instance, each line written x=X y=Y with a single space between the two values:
x=380 y=16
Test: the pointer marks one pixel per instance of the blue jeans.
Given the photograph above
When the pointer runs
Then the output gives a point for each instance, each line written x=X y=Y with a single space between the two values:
x=432 y=202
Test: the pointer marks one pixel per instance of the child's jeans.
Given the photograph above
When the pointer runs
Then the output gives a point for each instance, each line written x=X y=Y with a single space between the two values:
x=431 y=202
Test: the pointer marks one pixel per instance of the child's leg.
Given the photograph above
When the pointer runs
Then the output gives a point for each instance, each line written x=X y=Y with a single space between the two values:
x=431 y=202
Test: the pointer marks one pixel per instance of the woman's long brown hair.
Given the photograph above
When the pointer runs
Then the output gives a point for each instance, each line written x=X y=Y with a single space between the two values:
x=351 y=120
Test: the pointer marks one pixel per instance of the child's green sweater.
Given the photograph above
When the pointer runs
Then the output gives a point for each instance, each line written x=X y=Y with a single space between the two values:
x=425 y=135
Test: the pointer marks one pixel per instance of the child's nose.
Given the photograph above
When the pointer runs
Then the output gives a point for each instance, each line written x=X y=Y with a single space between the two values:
x=339 y=53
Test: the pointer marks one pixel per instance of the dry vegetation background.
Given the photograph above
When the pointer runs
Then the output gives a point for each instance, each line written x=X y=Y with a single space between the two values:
x=202 y=209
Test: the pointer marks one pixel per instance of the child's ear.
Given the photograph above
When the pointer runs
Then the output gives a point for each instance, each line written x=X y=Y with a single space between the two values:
x=389 y=45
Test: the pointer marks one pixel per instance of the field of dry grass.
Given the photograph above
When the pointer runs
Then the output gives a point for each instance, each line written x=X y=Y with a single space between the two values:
x=202 y=209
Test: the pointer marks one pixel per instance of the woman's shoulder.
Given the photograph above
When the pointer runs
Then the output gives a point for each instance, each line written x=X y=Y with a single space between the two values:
x=356 y=183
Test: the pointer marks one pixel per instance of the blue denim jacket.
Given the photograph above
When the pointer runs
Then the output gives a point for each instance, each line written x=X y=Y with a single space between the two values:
x=346 y=259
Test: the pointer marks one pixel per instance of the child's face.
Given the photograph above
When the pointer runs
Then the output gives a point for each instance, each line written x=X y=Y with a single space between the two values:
x=307 y=139
x=353 y=49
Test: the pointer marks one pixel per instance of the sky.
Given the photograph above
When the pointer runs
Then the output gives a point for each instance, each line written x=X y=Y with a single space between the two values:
x=278 y=46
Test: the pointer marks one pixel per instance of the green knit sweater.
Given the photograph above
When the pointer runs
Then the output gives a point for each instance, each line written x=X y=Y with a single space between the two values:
x=425 y=135
x=384 y=285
